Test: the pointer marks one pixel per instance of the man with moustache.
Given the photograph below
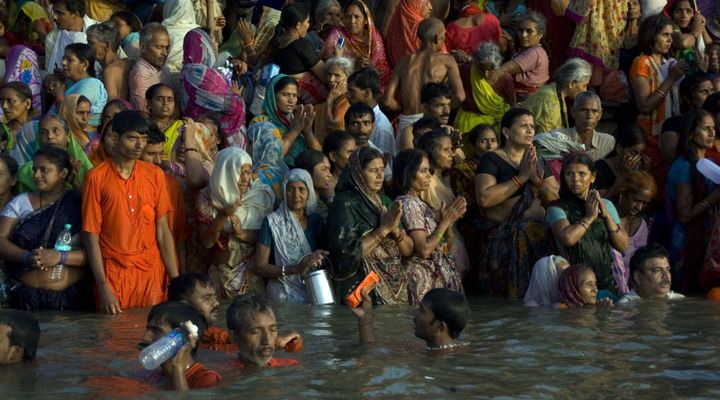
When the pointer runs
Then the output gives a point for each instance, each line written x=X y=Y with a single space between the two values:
x=435 y=102
x=587 y=112
x=650 y=275
x=360 y=123
x=150 y=67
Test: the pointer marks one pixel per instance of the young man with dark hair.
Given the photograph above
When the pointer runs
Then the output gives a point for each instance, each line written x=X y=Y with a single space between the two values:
x=19 y=336
x=183 y=372
x=650 y=275
x=125 y=208
x=439 y=318
x=435 y=102
x=360 y=124
x=70 y=26
x=364 y=87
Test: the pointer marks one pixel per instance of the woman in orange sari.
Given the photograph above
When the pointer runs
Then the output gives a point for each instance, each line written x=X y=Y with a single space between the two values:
x=402 y=31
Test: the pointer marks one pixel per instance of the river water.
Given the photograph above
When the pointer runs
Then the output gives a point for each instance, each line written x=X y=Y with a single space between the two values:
x=648 y=350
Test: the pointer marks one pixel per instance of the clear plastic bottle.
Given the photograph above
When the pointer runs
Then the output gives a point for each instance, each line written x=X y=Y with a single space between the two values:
x=62 y=244
x=166 y=347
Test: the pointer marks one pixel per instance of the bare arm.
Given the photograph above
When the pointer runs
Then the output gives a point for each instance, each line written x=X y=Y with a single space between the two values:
x=686 y=208
x=569 y=234
x=512 y=68
x=489 y=193
x=389 y=99
x=647 y=101
x=455 y=81
x=167 y=246
x=108 y=301
x=262 y=266
x=113 y=85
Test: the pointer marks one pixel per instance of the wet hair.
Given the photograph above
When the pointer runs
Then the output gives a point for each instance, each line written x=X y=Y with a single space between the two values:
x=183 y=286
x=308 y=159
x=22 y=90
x=634 y=182
x=10 y=163
x=429 y=29
x=24 y=331
x=130 y=18
x=649 y=28
x=449 y=307
x=366 y=78
x=712 y=104
x=429 y=143
x=345 y=64
x=689 y=85
x=424 y=123
x=478 y=130
x=641 y=255
x=405 y=167
x=155 y=136
x=73 y=6
x=630 y=136
x=284 y=82
x=214 y=119
x=509 y=119
x=175 y=313
x=489 y=52
x=244 y=305
x=84 y=53
x=433 y=90
x=358 y=110
x=577 y=157
x=148 y=32
x=152 y=90
x=585 y=96
x=130 y=121
x=106 y=32
x=57 y=157
x=573 y=70
x=537 y=18
x=335 y=141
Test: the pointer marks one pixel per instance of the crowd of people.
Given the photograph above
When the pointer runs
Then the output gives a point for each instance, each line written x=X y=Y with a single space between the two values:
x=450 y=147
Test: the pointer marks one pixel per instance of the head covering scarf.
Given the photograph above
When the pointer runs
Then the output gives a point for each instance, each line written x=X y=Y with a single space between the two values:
x=355 y=179
x=35 y=12
x=94 y=90
x=22 y=65
x=198 y=48
x=570 y=287
x=544 y=286
x=403 y=29
x=257 y=201
x=270 y=106
x=203 y=138
x=178 y=19
x=67 y=111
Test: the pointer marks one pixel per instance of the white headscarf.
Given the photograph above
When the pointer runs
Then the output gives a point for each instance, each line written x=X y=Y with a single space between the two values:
x=178 y=19
x=257 y=201
x=544 y=282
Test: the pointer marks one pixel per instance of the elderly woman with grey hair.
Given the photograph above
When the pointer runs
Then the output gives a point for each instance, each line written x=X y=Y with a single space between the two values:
x=548 y=103
x=328 y=15
x=492 y=90
x=330 y=115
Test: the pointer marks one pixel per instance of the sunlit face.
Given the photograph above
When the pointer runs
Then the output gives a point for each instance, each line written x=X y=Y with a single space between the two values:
x=48 y=177
x=683 y=13
x=64 y=19
x=663 y=40
x=361 y=128
x=74 y=69
x=256 y=338
x=653 y=279
x=162 y=104
x=578 y=179
x=421 y=181
x=130 y=145
x=423 y=320
x=373 y=173
x=704 y=134
x=521 y=132
x=528 y=35
x=82 y=114
x=111 y=111
x=100 y=49
x=443 y=154
x=204 y=299
x=703 y=90
x=153 y=153
x=340 y=157
x=7 y=181
x=588 y=286
x=587 y=113
x=245 y=178
x=438 y=108
x=156 y=52
x=633 y=10
x=8 y=354
x=575 y=88
x=296 y=195
x=303 y=27
x=123 y=28
x=336 y=76
x=53 y=133
x=286 y=99
x=354 y=20
x=321 y=176
x=331 y=17
x=13 y=106
x=486 y=141
x=633 y=202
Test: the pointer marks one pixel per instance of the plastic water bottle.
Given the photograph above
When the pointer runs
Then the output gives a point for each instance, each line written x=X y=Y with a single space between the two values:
x=62 y=244
x=166 y=347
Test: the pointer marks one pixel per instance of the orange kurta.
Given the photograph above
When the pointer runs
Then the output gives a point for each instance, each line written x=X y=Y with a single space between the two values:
x=177 y=219
x=123 y=214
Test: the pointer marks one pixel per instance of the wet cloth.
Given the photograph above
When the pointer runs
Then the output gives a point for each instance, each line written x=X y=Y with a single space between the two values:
x=570 y=288
x=218 y=339
x=544 y=283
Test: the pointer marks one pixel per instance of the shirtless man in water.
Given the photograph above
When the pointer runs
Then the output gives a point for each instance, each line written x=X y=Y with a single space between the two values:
x=426 y=65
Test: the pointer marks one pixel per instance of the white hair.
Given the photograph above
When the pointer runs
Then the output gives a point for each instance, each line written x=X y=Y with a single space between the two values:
x=573 y=70
x=489 y=52
x=343 y=63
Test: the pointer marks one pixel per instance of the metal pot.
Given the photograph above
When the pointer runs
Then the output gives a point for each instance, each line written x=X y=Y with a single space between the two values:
x=319 y=288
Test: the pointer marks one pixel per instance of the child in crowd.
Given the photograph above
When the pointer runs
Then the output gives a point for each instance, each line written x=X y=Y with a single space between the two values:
x=19 y=336
x=129 y=26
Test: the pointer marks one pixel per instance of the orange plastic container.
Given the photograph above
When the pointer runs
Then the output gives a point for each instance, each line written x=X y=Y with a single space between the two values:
x=355 y=297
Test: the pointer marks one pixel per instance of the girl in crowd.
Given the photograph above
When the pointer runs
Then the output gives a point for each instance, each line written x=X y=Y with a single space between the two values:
x=629 y=155
x=129 y=26
x=318 y=166
x=432 y=264
x=512 y=186
x=230 y=212
x=365 y=233
x=578 y=287
x=586 y=227
x=161 y=105
x=634 y=191
x=21 y=66
x=328 y=15
x=691 y=199
x=205 y=89
x=79 y=69
x=294 y=234
x=529 y=66
x=16 y=102
x=296 y=56
x=403 y=27
x=30 y=225
x=330 y=115
x=99 y=147
x=548 y=103
x=8 y=178
x=178 y=19
x=544 y=288
x=337 y=147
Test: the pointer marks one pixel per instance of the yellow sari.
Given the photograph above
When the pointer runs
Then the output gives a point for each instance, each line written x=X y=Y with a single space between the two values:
x=492 y=106
x=172 y=133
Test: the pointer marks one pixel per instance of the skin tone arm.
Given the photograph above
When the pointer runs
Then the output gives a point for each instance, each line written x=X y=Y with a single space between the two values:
x=175 y=368
x=209 y=237
x=569 y=234
x=389 y=225
x=108 y=301
x=263 y=268
x=113 y=84
x=302 y=122
x=47 y=257
x=166 y=245
x=334 y=124
x=455 y=81
x=424 y=244
x=687 y=211
x=389 y=98
x=196 y=176
x=647 y=101
x=512 y=68
x=366 y=321
x=489 y=193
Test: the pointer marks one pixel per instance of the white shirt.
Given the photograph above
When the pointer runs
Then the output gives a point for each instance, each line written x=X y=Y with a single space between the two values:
x=633 y=296
x=602 y=143
x=383 y=135
x=57 y=39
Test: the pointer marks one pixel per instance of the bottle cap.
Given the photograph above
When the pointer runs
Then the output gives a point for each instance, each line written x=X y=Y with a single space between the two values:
x=192 y=329
x=68 y=226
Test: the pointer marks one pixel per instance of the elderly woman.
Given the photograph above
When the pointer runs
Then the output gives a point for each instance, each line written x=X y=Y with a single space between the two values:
x=205 y=89
x=230 y=213
x=587 y=227
x=328 y=15
x=330 y=115
x=511 y=186
x=294 y=235
x=492 y=90
x=362 y=42
x=529 y=66
x=365 y=233
x=16 y=103
x=548 y=103
x=79 y=69
x=30 y=225
x=178 y=19
x=432 y=264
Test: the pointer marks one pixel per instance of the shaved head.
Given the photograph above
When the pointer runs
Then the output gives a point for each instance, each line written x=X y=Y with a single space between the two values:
x=429 y=29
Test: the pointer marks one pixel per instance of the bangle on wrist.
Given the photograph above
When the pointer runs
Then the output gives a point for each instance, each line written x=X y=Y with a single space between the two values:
x=516 y=180
x=400 y=237
x=282 y=271
x=617 y=230
x=26 y=258
x=584 y=224
x=63 y=257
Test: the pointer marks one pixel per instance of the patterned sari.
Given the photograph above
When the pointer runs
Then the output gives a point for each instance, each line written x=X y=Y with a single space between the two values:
x=403 y=29
x=22 y=65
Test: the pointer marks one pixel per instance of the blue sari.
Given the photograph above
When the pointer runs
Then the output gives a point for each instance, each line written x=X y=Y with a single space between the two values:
x=94 y=90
